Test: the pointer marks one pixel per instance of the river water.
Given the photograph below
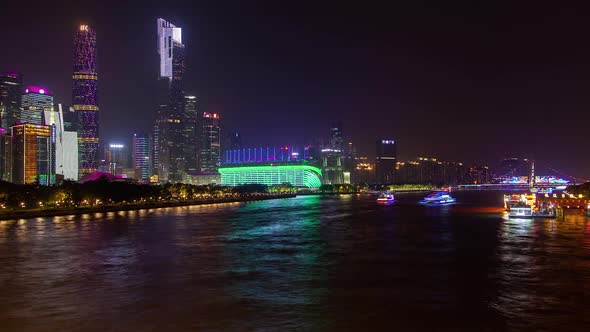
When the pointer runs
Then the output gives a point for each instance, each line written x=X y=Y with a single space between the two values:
x=311 y=263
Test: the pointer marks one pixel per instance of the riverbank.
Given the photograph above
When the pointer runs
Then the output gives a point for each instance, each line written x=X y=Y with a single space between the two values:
x=25 y=214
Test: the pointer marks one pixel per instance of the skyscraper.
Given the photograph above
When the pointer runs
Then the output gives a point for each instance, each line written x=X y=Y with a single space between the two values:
x=336 y=137
x=117 y=157
x=35 y=101
x=386 y=161
x=6 y=155
x=332 y=157
x=191 y=148
x=210 y=143
x=10 y=98
x=33 y=154
x=141 y=158
x=66 y=141
x=84 y=98
x=169 y=130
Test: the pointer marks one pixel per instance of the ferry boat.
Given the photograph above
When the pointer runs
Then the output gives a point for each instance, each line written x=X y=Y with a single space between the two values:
x=438 y=198
x=527 y=206
x=386 y=198
x=521 y=210
x=511 y=200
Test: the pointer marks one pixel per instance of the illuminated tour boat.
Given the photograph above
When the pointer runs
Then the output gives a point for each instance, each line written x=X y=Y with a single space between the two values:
x=438 y=198
x=386 y=198
x=527 y=206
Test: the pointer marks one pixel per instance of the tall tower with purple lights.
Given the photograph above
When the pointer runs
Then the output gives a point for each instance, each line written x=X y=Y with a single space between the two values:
x=84 y=98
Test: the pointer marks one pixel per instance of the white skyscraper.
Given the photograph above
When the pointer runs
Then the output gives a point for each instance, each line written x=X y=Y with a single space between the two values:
x=168 y=35
x=66 y=144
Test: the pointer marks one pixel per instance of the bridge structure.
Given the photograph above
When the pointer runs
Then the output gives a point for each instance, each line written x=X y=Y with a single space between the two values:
x=529 y=182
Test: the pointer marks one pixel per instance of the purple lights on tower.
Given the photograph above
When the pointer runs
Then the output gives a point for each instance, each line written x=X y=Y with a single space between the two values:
x=38 y=89
x=84 y=98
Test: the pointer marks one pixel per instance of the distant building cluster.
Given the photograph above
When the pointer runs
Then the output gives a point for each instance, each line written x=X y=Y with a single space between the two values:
x=45 y=142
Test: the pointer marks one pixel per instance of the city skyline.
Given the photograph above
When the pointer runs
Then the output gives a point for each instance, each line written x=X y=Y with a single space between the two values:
x=459 y=100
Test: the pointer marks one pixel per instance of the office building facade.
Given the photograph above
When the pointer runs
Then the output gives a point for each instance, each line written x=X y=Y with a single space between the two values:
x=142 y=163
x=36 y=100
x=6 y=155
x=210 y=142
x=33 y=154
x=385 y=162
x=10 y=98
x=169 y=129
x=191 y=151
x=117 y=157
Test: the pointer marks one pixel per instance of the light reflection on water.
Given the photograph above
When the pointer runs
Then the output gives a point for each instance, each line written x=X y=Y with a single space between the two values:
x=308 y=263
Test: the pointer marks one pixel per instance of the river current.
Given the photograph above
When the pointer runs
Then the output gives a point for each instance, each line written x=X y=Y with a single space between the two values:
x=311 y=263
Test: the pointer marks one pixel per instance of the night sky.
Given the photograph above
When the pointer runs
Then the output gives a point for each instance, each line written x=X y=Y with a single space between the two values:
x=464 y=82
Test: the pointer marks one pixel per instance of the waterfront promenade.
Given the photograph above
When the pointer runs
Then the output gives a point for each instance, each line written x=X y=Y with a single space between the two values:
x=34 y=213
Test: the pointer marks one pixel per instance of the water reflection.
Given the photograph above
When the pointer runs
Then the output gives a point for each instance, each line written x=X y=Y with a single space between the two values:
x=309 y=263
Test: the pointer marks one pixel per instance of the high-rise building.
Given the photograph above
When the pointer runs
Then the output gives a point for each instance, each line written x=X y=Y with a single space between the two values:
x=10 y=98
x=169 y=132
x=85 y=99
x=117 y=157
x=5 y=156
x=332 y=169
x=63 y=124
x=32 y=154
x=141 y=158
x=35 y=101
x=210 y=143
x=336 y=137
x=70 y=117
x=386 y=161
x=191 y=151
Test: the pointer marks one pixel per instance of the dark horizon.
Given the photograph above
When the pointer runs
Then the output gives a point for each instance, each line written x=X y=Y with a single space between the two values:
x=460 y=83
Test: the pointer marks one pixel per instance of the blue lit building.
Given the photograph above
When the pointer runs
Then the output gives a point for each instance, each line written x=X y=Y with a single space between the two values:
x=142 y=162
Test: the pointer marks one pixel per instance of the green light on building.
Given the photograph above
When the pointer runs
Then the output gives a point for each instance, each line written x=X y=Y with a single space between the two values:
x=296 y=175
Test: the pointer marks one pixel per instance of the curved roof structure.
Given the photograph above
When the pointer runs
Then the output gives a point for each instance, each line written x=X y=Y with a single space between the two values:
x=297 y=175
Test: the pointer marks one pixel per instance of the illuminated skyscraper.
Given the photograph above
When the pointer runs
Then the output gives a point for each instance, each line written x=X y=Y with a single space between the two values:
x=141 y=158
x=35 y=101
x=169 y=133
x=191 y=151
x=10 y=98
x=336 y=138
x=332 y=157
x=386 y=161
x=5 y=155
x=84 y=98
x=66 y=141
x=210 y=143
x=33 y=154
x=117 y=157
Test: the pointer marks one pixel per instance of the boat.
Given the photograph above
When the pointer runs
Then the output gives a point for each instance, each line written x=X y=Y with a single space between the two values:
x=536 y=210
x=521 y=210
x=386 y=198
x=511 y=200
x=438 y=198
